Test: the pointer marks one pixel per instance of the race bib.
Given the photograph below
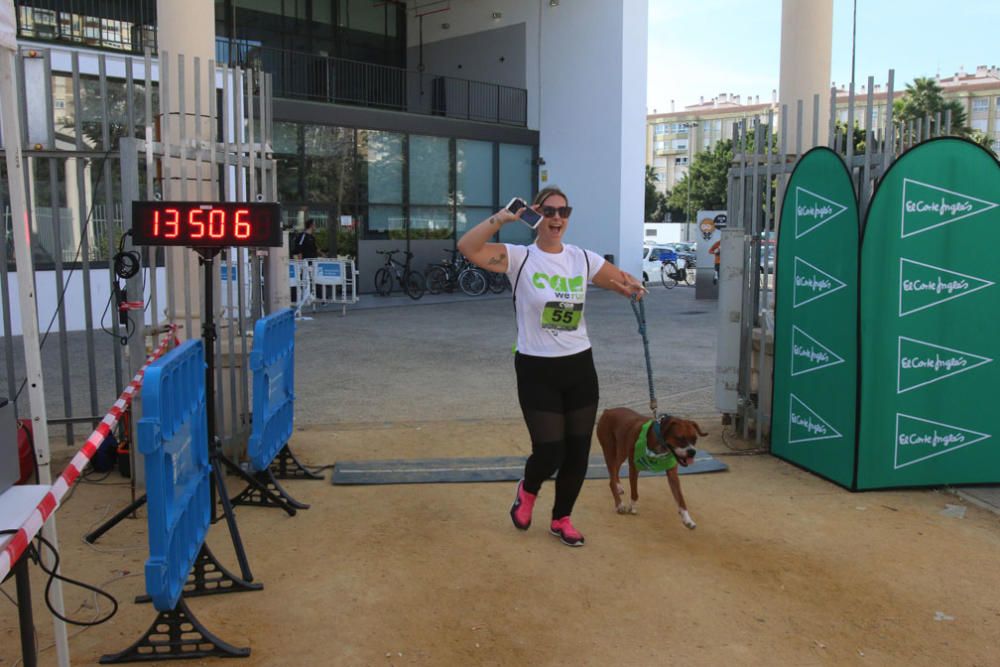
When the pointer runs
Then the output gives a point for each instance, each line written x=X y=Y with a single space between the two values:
x=562 y=315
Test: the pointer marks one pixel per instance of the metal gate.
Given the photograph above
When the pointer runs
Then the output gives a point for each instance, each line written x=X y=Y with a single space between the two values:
x=99 y=131
x=764 y=158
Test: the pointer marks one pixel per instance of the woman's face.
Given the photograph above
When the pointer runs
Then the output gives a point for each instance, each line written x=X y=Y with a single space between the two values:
x=551 y=229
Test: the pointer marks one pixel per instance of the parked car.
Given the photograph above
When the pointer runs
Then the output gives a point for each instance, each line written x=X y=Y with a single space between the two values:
x=655 y=257
x=652 y=260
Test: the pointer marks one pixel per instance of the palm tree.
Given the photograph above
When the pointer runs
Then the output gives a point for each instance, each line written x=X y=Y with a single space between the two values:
x=922 y=102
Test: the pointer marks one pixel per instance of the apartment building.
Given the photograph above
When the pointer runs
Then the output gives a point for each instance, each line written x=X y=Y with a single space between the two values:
x=673 y=138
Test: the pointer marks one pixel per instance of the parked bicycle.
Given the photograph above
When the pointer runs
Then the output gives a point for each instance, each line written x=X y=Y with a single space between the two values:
x=410 y=281
x=671 y=274
x=443 y=276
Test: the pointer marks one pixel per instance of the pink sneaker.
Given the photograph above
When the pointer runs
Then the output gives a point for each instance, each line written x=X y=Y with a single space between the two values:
x=520 y=511
x=564 y=530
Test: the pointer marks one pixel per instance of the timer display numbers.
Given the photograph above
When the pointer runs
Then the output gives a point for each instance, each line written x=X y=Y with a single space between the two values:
x=201 y=224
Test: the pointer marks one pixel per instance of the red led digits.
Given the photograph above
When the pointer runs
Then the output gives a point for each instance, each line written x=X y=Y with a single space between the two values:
x=216 y=223
x=197 y=226
x=174 y=223
x=242 y=226
x=206 y=224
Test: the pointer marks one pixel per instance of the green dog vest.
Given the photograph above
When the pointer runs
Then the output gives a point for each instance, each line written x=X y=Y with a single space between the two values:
x=650 y=461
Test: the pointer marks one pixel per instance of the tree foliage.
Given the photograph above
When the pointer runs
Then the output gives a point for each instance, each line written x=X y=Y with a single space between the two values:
x=921 y=105
x=656 y=201
x=707 y=179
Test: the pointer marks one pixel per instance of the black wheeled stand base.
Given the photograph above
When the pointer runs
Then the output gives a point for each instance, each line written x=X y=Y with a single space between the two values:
x=175 y=635
x=286 y=466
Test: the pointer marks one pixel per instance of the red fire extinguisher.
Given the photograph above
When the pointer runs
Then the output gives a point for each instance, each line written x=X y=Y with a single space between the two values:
x=26 y=451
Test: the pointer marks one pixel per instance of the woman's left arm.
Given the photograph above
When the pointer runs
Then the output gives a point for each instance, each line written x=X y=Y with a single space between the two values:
x=612 y=278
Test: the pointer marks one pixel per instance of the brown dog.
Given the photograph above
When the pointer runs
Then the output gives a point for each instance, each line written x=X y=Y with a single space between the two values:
x=619 y=428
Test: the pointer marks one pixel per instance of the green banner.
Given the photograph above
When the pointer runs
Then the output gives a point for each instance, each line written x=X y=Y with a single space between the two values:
x=815 y=340
x=930 y=320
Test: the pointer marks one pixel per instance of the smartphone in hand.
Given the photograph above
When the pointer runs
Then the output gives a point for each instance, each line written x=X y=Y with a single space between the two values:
x=528 y=216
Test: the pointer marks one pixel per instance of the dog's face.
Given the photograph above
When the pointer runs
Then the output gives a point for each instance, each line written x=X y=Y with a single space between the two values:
x=681 y=435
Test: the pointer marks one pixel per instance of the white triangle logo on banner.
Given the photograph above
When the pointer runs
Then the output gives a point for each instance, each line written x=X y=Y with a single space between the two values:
x=813 y=210
x=919 y=439
x=922 y=363
x=811 y=285
x=934 y=283
x=808 y=354
x=926 y=207
x=808 y=425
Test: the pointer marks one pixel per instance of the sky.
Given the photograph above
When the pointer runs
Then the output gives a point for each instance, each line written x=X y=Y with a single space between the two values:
x=708 y=47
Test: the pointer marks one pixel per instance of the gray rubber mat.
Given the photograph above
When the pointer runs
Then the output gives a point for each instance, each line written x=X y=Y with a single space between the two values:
x=488 y=469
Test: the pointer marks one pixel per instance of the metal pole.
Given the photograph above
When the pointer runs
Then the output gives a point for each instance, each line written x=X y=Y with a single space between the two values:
x=24 y=615
x=29 y=318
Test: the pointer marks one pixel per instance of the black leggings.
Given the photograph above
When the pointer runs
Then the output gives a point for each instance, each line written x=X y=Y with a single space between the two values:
x=558 y=397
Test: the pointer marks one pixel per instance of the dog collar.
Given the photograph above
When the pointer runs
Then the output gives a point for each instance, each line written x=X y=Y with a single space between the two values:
x=657 y=431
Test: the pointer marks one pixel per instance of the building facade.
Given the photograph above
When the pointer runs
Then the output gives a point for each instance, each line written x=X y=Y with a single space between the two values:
x=400 y=124
x=672 y=139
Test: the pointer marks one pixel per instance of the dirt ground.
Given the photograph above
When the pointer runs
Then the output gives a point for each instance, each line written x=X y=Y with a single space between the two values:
x=783 y=569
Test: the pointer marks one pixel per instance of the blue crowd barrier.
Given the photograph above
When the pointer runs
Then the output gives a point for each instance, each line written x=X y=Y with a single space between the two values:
x=272 y=362
x=173 y=436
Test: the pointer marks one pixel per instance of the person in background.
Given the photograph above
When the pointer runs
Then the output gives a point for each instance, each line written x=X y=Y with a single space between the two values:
x=556 y=380
x=716 y=250
x=305 y=242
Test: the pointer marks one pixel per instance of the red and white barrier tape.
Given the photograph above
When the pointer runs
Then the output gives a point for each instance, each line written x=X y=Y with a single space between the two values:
x=51 y=501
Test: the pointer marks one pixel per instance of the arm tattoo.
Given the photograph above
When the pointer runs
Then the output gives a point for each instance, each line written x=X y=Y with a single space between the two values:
x=497 y=260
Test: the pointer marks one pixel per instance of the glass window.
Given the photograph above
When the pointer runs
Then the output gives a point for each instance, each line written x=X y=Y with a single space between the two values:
x=474 y=173
x=980 y=104
x=515 y=181
x=329 y=163
x=468 y=217
x=384 y=162
x=286 y=137
x=429 y=167
x=430 y=222
x=363 y=15
x=515 y=173
x=386 y=222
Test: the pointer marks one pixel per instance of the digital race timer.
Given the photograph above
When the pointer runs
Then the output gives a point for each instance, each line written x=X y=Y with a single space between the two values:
x=200 y=224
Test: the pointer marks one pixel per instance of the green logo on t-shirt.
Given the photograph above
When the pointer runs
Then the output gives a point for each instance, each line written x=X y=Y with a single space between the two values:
x=561 y=285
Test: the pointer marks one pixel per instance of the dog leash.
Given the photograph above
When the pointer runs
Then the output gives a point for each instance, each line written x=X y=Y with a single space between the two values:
x=639 y=309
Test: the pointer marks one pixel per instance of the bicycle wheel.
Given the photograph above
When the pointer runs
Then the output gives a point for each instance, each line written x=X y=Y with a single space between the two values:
x=383 y=282
x=414 y=284
x=498 y=282
x=437 y=280
x=472 y=281
x=690 y=272
x=667 y=272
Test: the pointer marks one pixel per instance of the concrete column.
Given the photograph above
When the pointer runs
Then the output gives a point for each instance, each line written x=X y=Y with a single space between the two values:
x=592 y=105
x=187 y=28
x=806 y=44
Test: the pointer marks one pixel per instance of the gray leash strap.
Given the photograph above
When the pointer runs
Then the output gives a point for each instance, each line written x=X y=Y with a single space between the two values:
x=639 y=309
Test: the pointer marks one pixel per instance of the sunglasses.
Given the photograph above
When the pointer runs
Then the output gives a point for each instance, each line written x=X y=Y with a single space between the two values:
x=551 y=211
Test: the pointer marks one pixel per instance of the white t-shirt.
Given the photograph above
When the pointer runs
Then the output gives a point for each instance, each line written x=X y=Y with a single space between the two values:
x=550 y=298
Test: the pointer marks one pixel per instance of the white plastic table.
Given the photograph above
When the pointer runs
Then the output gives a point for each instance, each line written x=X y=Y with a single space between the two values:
x=16 y=505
